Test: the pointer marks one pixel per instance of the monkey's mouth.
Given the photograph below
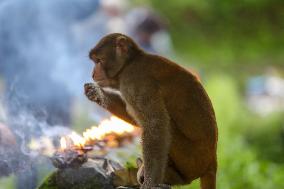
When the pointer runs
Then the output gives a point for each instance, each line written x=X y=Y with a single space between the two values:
x=103 y=82
x=100 y=80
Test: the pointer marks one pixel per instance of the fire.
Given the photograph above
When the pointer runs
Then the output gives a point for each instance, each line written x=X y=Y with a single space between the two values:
x=112 y=125
x=109 y=129
x=77 y=140
x=63 y=143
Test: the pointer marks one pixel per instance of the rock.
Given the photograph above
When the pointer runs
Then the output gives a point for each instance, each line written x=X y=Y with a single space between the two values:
x=94 y=174
x=68 y=159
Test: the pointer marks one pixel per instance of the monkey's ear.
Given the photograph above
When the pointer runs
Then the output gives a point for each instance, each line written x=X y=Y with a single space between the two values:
x=121 y=45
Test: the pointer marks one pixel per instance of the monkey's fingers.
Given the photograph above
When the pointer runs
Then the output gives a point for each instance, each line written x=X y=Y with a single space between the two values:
x=140 y=173
x=139 y=162
x=92 y=95
x=89 y=85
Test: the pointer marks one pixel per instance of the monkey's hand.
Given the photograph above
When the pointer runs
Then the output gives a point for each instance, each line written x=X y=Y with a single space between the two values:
x=94 y=93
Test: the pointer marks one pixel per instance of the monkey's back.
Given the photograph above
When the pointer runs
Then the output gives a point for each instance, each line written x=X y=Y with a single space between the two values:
x=187 y=101
x=193 y=119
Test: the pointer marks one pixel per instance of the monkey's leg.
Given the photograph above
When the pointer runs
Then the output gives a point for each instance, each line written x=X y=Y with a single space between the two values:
x=172 y=176
x=208 y=181
x=151 y=114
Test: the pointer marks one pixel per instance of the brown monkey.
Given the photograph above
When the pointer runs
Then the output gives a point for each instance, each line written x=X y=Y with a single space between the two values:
x=179 y=137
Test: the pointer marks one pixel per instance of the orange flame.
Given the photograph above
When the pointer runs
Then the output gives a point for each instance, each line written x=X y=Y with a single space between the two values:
x=113 y=125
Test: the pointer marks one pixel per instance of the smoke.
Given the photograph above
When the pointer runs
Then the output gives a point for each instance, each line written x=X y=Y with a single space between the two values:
x=37 y=35
x=43 y=65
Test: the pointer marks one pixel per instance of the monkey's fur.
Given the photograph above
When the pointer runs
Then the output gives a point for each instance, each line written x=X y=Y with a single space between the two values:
x=179 y=132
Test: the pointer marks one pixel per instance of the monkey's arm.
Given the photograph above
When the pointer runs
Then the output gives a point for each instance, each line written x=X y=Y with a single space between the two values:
x=109 y=100
x=117 y=106
x=151 y=114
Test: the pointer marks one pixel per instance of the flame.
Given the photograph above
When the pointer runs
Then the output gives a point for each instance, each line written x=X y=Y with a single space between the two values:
x=63 y=143
x=77 y=140
x=113 y=125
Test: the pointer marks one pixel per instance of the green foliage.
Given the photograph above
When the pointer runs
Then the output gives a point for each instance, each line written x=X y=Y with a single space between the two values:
x=7 y=182
x=239 y=163
x=49 y=182
x=271 y=147
x=225 y=32
x=240 y=143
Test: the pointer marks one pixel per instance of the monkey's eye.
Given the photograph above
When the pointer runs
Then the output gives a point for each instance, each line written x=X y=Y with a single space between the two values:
x=98 y=61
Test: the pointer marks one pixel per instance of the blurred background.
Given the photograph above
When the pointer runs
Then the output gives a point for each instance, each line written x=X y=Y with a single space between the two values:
x=236 y=48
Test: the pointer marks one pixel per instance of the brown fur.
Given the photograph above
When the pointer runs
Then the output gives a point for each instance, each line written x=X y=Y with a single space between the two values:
x=168 y=102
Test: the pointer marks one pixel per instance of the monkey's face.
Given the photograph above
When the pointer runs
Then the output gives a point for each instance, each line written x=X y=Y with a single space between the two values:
x=101 y=71
x=109 y=57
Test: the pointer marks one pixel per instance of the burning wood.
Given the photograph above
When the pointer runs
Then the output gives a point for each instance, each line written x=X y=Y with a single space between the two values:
x=110 y=133
x=98 y=171
x=68 y=158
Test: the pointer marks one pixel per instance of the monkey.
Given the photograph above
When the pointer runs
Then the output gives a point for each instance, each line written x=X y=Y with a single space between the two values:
x=168 y=102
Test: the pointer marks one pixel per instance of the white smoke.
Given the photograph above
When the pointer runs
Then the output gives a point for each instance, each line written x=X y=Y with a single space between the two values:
x=41 y=63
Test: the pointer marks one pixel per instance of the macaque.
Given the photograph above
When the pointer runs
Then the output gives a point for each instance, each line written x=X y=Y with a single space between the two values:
x=179 y=130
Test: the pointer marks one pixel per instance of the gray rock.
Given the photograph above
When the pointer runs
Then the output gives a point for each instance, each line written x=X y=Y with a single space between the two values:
x=94 y=174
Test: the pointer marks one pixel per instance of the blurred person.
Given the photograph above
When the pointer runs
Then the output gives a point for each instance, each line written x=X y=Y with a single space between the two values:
x=143 y=24
x=115 y=10
x=109 y=18
x=265 y=93
x=149 y=30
